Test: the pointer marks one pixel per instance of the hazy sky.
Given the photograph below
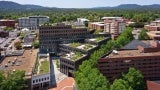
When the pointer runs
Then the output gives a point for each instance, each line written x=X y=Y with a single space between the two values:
x=84 y=3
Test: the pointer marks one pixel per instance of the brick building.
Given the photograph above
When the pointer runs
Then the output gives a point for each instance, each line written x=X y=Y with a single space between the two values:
x=51 y=36
x=96 y=25
x=8 y=23
x=153 y=85
x=153 y=26
x=145 y=58
x=114 y=25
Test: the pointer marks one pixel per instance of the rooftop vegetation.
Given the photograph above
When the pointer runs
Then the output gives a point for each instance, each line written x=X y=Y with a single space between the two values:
x=99 y=39
x=76 y=56
x=44 y=68
x=88 y=46
x=74 y=44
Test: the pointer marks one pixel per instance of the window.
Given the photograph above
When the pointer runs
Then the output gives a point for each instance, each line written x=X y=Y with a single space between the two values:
x=33 y=81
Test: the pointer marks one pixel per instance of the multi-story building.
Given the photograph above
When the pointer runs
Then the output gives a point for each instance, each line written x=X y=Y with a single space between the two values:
x=155 y=35
x=32 y=22
x=4 y=34
x=82 y=20
x=76 y=53
x=114 y=25
x=153 y=85
x=146 y=59
x=96 y=25
x=8 y=23
x=154 y=26
x=51 y=36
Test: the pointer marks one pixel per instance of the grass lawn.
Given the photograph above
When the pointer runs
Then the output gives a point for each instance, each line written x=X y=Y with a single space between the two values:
x=44 y=67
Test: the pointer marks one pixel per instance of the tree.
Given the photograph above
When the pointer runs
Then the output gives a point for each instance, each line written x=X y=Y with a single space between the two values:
x=135 y=79
x=17 y=45
x=143 y=35
x=13 y=81
x=120 y=84
x=36 y=44
x=7 y=28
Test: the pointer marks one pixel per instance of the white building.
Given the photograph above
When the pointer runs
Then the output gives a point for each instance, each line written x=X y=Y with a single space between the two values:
x=32 y=22
x=82 y=20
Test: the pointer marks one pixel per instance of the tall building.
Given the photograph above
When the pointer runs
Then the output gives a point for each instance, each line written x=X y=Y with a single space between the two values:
x=145 y=58
x=114 y=25
x=8 y=23
x=32 y=22
x=51 y=36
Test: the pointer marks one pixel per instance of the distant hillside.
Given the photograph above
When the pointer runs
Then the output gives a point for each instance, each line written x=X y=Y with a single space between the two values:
x=131 y=6
x=7 y=5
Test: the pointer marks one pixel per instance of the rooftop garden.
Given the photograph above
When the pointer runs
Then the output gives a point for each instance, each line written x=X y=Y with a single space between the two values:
x=74 y=44
x=41 y=66
x=44 y=68
x=74 y=56
x=88 y=46
x=99 y=39
x=81 y=46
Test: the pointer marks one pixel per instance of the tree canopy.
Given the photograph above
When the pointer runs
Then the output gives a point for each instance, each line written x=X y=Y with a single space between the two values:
x=135 y=79
x=88 y=76
x=120 y=84
x=13 y=81
x=143 y=35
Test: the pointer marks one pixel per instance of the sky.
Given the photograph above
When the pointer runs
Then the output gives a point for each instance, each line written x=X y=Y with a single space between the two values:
x=84 y=3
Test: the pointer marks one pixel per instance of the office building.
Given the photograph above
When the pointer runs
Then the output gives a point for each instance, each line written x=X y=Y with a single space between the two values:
x=153 y=26
x=32 y=22
x=7 y=23
x=96 y=25
x=114 y=25
x=145 y=58
x=51 y=36
x=155 y=35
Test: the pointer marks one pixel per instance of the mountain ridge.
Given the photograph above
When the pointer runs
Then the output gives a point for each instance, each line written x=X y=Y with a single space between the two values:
x=9 y=5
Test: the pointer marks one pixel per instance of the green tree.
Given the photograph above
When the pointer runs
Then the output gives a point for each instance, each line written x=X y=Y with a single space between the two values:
x=135 y=79
x=143 y=35
x=14 y=81
x=36 y=44
x=120 y=84
x=18 y=45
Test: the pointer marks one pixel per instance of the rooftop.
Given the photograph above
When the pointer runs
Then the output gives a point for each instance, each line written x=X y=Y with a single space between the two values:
x=154 y=33
x=131 y=53
x=97 y=39
x=24 y=62
x=135 y=43
x=74 y=56
x=111 y=17
x=82 y=46
x=6 y=20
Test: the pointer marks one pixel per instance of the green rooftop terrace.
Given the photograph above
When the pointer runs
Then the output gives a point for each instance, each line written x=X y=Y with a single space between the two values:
x=74 y=56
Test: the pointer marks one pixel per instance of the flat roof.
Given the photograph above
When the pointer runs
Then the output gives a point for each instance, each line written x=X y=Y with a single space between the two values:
x=25 y=62
x=111 y=17
x=6 y=20
x=135 y=43
x=131 y=53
